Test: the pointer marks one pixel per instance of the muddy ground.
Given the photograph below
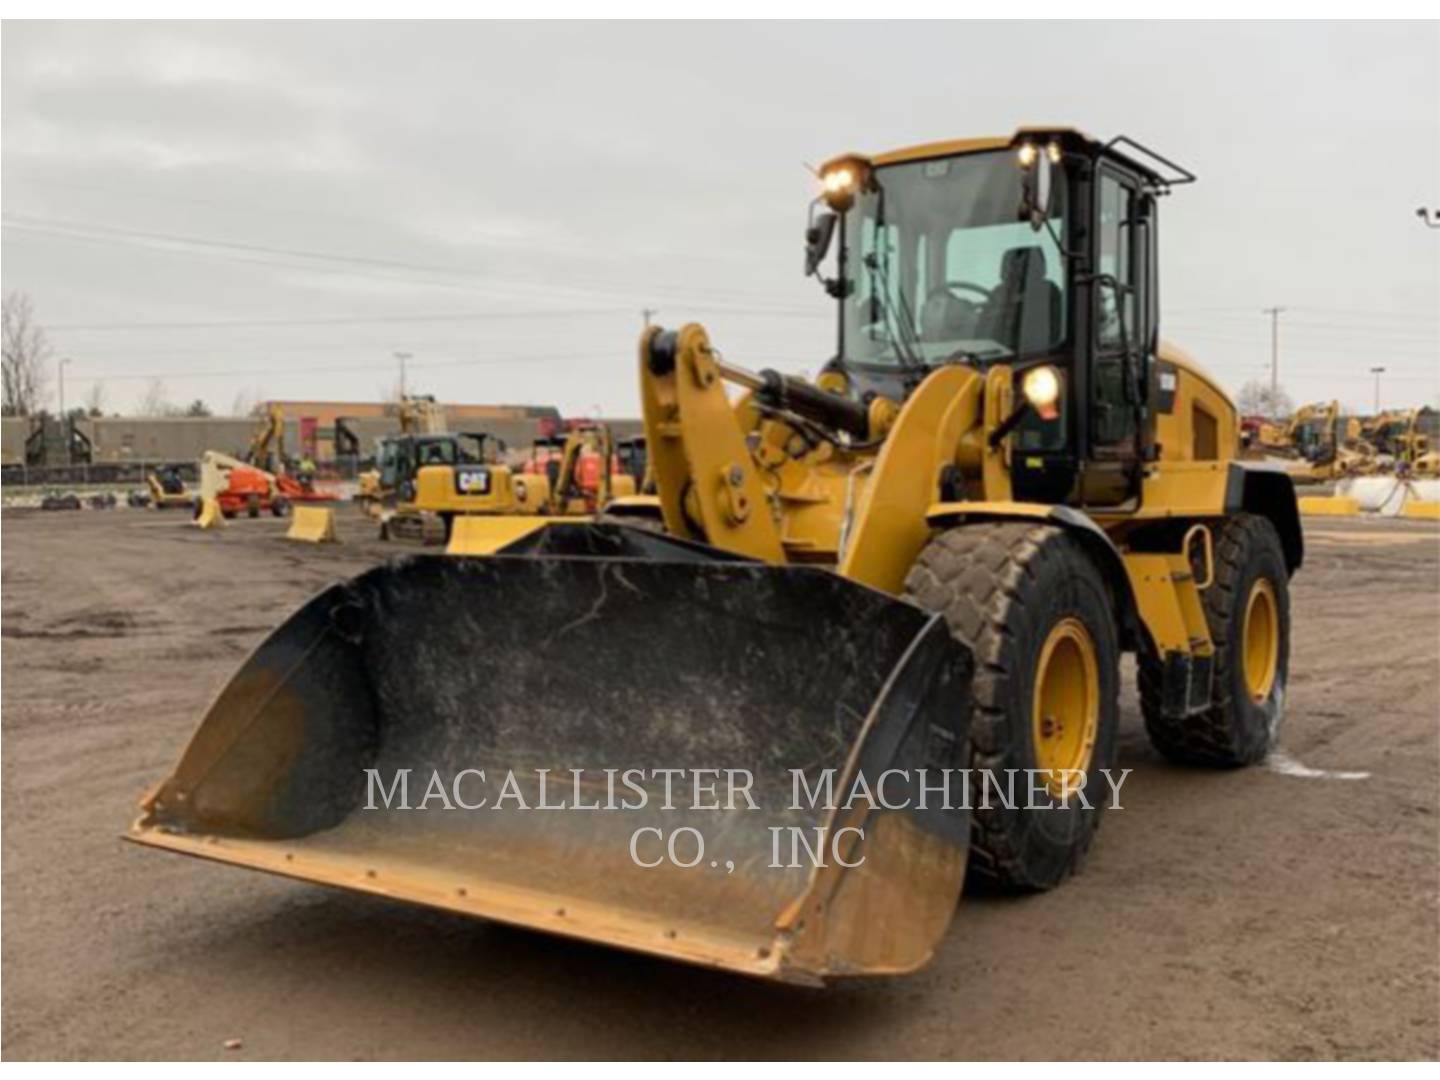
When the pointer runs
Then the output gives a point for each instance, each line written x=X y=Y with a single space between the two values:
x=1240 y=914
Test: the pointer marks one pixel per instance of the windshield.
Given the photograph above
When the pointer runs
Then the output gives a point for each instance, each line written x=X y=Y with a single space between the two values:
x=936 y=265
x=1310 y=434
x=439 y=451
x=471 y=447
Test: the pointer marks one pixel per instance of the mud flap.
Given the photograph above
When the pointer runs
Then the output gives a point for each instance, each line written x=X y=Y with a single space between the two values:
x=683 y=716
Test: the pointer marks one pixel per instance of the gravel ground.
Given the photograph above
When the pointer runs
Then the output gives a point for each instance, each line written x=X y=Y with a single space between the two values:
x=1258 y=913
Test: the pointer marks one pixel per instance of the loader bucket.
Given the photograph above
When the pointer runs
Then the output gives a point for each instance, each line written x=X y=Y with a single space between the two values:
x=495 y=735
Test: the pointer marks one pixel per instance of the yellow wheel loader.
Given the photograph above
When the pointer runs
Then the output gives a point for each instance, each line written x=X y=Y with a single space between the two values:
x=775 y=738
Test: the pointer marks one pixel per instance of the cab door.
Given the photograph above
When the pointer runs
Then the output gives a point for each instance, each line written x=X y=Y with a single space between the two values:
x=1122 y=338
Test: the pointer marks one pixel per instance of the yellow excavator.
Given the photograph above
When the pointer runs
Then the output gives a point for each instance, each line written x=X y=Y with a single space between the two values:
x=567 y=477
x=1410 y=438
x=1327 y=445
x=267 y=446
x=435 y=477
x=761 y=739
x=422 y=419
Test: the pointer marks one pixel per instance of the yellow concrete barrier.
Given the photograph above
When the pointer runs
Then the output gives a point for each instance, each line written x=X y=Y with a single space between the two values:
x=1420 y=508
x=1329 y=506
x=478 y=534
x=209 y=516
x=313 y=525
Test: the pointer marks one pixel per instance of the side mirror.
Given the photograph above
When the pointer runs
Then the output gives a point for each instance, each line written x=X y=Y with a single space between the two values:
x=818 y=235
x=1036 y=184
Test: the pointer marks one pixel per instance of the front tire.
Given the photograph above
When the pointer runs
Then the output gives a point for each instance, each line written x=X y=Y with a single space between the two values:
x=1247 y=609
x=1038 y=615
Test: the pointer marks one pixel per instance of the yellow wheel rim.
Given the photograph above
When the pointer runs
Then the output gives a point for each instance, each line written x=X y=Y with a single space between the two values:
x=1260 y=646
x=1065 y=716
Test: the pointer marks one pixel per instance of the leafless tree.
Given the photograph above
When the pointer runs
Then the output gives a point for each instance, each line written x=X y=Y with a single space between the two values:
x=198 y=408
x=95 y=400
x=1257 y=399
x=243 y=403
x=27 y=357
x=155 y=403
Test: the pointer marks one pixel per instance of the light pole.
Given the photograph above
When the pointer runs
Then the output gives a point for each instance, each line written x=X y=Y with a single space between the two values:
x=402 y=357
x=1377 y=372
x=647 y=313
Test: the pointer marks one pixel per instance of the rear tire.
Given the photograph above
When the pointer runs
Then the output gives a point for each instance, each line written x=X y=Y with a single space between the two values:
x=1246 y=710
x=1011 y=591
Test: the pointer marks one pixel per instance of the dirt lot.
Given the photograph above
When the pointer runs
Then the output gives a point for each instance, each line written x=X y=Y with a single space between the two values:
x=1245 y=914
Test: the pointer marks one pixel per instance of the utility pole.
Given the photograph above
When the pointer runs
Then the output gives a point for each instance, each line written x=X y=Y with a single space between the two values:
x=1377 y=372
x=402 y=357
x=647 y=313
x=64 y=425
x=1274 y=313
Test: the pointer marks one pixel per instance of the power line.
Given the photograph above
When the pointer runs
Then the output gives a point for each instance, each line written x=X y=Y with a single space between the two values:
x=388 y=365
x=1248 y=313
x=479 y=316
x=337 y=320
x=313 y=260
x=1326 y=331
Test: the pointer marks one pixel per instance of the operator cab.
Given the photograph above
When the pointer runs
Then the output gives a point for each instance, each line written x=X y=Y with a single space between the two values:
x=1037 y=252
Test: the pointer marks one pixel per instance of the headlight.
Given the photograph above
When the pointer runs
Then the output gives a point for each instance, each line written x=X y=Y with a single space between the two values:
x=840 y=181
x=1026 y=154
x=1041 y=387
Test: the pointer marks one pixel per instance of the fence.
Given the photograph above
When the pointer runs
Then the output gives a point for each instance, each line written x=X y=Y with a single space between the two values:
x=129 y=472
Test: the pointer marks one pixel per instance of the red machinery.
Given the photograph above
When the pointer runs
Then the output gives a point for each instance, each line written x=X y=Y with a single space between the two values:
x=251 y=490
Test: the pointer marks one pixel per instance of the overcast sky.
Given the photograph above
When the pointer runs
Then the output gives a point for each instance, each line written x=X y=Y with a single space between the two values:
x=274 y=210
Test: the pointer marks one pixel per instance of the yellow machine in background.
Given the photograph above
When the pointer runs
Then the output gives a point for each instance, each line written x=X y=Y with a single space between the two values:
x=1412 y=438
x=267 y=447
x=1328 y=444
x=928 y=561
x=435 y=477
x=168 y=491
x=378 y=488
x=570 y=475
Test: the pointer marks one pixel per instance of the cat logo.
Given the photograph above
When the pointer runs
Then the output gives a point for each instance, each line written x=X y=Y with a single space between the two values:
x=472 y=481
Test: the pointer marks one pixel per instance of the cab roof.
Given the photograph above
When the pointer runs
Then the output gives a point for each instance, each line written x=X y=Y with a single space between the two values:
x=1131 y=153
